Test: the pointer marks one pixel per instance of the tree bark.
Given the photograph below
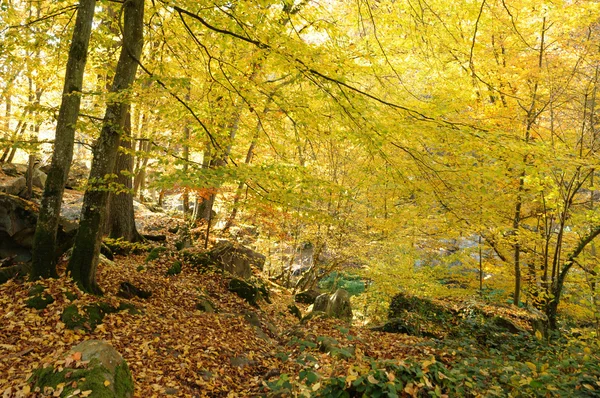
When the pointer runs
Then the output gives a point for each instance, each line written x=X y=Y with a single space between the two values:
x=84 y=260
x=44 y=243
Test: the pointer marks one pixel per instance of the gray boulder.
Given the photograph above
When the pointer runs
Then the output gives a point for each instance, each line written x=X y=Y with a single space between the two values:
x=106 y=374
x=337 y=305
x=236 y=259
x=14 y=169
x=12 y=185
x=18 y=218
x=39 y=179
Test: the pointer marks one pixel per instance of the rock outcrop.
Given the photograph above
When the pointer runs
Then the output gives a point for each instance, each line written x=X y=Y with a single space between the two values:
x=236 y=259
x=336 y=305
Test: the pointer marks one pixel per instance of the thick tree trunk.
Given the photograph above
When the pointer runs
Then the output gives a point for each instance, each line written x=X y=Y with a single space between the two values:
x=120 y=215
x=44 y=243
x=84 y=260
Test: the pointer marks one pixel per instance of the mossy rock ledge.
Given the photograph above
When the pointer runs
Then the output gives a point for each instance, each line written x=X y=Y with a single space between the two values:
x=106 y=373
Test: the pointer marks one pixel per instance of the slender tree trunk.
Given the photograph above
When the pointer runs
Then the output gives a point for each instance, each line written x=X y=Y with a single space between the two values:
x=44 y=243
x=7 y=115
x=186 y=157
x=84 y=260
x=120 y=215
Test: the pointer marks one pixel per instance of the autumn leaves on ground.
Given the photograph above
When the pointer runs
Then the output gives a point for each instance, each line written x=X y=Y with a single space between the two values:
x=176 y=347
x=172 y=347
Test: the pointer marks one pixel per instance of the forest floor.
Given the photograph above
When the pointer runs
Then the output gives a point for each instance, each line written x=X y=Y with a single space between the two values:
x=171 y=347
x=174 y=349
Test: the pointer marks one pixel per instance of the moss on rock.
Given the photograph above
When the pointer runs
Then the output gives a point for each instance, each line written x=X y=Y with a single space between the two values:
x=36 y=290
x=93 y=314
x=106 y=375
x=155 y=253
x=245 y=290
x=39 y=301
x=175 y=269
x=71 y=296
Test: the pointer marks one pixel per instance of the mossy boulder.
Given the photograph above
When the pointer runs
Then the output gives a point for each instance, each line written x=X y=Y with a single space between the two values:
x=38 y=299
x=128 y=290
x=245 y=290
x=201 y=262
x=337 y=305
x=295 y=311
x=174 y=269
x=155 y=253
x=92 y=315
x=92 y=365
x=205 y=305
x=236 y=259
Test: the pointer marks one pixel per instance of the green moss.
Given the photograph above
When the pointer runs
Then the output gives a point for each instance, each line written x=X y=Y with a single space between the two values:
x=71 y=317
x=140 y=268
x=200 y=261
x=93 y=314
x=71 y=296
x=123 y=247
x=90 y=378
x=123 y=381
x=155 y=253
x=123 y=306
x=294 y=310
x=36 y=290
x=245 y=290
x=175 y=268
x=40 y=301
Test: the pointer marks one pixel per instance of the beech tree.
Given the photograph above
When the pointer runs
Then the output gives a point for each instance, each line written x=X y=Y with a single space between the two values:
x=84 y=260
x=44 y=244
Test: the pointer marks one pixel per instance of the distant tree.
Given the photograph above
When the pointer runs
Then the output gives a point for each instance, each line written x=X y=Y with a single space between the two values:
x=120 y=218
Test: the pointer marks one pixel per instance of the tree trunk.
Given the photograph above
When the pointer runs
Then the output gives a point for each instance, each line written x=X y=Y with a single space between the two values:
x=7 y=117
x=557 y=286
x=44 y=260
x=120 y=215
x=84 y=260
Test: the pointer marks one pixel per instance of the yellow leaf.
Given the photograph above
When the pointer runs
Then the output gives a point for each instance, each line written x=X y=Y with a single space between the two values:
x=372 y=379
x=531 y=366
x=86 y=393
x=26 y=390
x=350 y=379
x=589 y=387
x=429 y=362
x=106 y=383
